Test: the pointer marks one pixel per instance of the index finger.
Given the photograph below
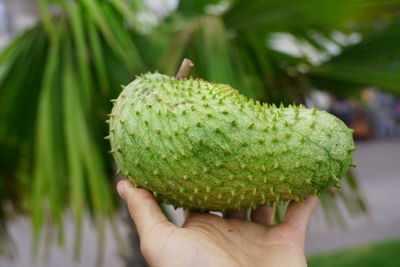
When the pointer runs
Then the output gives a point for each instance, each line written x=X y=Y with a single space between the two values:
x=143 y=208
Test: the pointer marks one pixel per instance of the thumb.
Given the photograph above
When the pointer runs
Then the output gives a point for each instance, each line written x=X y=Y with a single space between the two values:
x=298 y=213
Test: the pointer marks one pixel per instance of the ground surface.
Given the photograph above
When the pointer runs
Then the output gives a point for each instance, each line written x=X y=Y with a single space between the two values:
x=379 y=176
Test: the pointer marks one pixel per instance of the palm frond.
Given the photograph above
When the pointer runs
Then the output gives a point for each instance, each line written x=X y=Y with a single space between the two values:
x=287 y=15
x=54 y=107
x=375 y=61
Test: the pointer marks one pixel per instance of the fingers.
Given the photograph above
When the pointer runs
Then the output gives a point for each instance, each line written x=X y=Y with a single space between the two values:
x=298 y=213
x=187 y=213
x=142 y=206
x=235 y=214
x=263 y=215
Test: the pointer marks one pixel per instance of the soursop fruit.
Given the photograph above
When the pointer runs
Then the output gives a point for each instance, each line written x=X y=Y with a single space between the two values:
x=204 y=146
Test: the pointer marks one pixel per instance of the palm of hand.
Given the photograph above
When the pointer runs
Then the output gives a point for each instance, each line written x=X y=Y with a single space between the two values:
x=209 y=240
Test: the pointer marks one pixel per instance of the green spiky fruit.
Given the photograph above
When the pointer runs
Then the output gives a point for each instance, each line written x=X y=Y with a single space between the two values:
x=202 y=145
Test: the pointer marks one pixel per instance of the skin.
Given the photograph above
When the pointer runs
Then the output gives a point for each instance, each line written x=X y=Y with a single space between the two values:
x=209 y=240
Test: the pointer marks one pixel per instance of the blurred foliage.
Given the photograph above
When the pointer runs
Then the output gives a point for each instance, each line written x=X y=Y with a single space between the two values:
x=56 y=80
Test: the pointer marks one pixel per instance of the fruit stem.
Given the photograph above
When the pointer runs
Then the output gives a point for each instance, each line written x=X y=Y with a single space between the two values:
x=184 y=69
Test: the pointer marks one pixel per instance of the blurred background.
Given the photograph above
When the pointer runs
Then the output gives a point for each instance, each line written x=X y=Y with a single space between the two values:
x=61 y=62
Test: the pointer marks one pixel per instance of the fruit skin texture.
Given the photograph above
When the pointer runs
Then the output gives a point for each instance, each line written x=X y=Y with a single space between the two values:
x=203 y=146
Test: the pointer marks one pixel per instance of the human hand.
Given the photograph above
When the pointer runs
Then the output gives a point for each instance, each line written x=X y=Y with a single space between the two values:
x=209 y=240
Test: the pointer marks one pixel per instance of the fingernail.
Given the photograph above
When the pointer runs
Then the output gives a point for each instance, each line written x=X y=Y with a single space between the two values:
x=121 y=189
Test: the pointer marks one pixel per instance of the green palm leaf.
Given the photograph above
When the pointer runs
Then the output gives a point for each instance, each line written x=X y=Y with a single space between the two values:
x=375 y=61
